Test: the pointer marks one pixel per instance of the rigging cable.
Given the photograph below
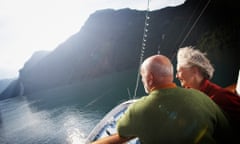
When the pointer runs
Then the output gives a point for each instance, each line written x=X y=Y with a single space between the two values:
x=187 y=24
x=144 y=39
x=195 y=23
x=190 y=30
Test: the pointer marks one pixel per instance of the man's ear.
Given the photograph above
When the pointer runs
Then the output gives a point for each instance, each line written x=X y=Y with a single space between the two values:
x=150 y=79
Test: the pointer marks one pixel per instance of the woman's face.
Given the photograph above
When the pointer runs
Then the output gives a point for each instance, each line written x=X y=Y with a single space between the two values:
x=186 y=76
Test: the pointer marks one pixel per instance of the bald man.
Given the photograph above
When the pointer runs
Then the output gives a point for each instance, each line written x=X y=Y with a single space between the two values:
x=169 y=114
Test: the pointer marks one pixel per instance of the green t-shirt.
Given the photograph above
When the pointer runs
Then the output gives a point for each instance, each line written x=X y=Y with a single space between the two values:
x=174 y=115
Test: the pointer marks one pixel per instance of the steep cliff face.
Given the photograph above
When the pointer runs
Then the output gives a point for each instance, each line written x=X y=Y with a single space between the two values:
x=110 y=42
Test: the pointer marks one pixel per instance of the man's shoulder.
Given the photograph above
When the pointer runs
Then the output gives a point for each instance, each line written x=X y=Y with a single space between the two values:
x=188 y=90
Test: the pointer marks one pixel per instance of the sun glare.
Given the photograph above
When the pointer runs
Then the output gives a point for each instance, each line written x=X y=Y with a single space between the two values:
x=27 y=26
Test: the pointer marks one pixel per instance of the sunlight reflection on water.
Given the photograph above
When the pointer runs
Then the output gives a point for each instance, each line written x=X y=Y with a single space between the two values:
x=21 y=124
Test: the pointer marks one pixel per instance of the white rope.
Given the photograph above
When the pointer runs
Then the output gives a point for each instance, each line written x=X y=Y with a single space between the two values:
x=145 y=31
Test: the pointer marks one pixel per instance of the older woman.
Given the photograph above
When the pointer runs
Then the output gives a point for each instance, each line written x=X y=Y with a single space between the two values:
x=194 y=70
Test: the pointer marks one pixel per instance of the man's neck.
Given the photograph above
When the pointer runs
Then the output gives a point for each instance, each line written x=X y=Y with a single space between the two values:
x=162 y=86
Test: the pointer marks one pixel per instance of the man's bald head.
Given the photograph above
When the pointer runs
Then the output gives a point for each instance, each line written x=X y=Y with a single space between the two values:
x=156 y=70
x=159 y=65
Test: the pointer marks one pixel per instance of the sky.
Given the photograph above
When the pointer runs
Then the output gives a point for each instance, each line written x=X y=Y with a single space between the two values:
x=27 y=26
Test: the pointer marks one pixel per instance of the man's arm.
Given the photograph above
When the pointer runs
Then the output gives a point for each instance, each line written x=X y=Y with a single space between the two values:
x=113 y=139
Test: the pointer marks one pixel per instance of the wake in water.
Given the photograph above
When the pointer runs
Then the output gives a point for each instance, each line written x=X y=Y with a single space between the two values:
x=21 y=123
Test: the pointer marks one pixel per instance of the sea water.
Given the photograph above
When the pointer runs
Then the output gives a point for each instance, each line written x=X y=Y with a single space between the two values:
x=22 y=123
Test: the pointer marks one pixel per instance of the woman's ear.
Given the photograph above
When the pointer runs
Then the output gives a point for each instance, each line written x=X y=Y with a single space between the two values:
x=195 y=70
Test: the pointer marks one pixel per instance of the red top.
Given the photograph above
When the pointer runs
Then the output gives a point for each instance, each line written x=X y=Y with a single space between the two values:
x=229 y=102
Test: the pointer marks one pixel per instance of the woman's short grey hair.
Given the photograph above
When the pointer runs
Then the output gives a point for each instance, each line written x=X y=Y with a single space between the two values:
x=188 y=56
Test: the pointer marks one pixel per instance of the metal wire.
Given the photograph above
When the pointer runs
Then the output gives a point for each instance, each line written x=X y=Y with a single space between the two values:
x=144 y=40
